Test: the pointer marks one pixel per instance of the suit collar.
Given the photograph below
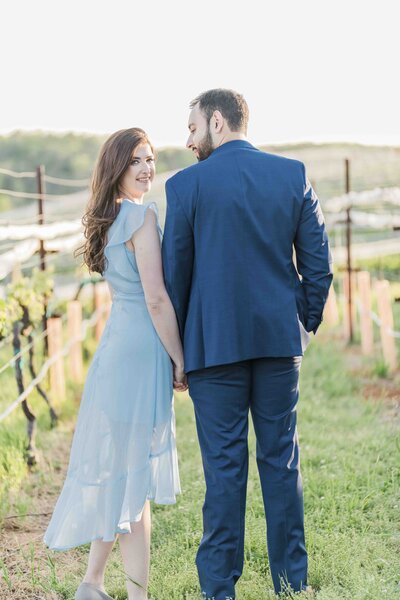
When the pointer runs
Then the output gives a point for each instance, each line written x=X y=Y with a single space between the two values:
x=231 y=145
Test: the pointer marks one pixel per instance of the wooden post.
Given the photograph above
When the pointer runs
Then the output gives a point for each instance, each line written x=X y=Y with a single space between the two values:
x=98 y=303
x=385 y=312
x=41 y=191
x=350 y=295
x=74 y=314
x=364 y=298
x=107 y=299
x=55 y=339
x=331 y=313
x=345 y=283
x=16 y=272
x=41 y=194
x=348 y=324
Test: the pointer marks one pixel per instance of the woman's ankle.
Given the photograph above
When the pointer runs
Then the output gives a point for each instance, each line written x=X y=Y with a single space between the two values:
x=96 y=581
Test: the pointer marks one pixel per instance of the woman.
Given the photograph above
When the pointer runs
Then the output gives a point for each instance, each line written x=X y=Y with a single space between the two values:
x=123 y=451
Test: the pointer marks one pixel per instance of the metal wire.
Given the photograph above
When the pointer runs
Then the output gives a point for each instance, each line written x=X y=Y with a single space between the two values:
x=67 y=182
x=46 y=366
x=48 y=178
x=31 y=195
x=15 y=174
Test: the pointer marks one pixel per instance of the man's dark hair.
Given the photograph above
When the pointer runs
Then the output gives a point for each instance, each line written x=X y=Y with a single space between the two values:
x=232 y=106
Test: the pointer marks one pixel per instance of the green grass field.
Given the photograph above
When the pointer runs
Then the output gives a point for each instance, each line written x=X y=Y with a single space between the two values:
x=350 y=449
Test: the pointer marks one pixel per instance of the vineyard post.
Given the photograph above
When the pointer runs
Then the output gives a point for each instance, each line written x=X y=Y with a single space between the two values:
x=348 y=287
x=16 y=272
x=348 y=249
x=57 y=376
x=364 y=297
x=107 y=299
x=382 y=288
x=74 y=312
x=42 y=251
x=331 y=313
x=98 y=303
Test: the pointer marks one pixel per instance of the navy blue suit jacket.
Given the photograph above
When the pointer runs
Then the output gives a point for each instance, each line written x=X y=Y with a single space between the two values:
x=231 y=225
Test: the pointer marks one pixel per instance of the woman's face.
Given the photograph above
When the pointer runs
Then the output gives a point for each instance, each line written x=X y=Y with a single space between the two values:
x=137 y=179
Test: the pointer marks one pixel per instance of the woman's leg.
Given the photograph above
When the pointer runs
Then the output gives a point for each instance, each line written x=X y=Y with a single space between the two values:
x=135 y=550
x=98 y=555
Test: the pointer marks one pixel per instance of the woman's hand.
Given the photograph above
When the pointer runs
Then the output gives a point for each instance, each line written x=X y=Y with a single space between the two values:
x=180 y=380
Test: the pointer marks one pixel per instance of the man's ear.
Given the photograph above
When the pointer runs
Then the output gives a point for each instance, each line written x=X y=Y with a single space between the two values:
x=217 y=122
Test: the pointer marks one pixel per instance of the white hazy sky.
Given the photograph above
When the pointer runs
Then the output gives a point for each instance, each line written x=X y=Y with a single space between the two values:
x=310 y=69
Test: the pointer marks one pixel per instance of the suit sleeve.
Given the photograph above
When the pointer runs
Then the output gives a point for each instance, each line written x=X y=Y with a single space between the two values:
x=313 y=256
x=177 y=255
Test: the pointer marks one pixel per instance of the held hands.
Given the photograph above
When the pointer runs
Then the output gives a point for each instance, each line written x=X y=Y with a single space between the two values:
x=180 y=380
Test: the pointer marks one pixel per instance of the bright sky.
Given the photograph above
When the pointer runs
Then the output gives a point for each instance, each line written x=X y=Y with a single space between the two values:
x=310 y=69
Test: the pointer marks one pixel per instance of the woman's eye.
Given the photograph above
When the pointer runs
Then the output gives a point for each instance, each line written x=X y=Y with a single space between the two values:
x=134 y=161
x=150 y=160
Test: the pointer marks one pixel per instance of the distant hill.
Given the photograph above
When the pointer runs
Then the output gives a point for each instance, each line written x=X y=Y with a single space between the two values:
x=68 y=156
x=73 y=156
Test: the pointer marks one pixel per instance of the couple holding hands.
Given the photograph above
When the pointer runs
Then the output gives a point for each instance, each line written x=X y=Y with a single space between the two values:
x=222 y=303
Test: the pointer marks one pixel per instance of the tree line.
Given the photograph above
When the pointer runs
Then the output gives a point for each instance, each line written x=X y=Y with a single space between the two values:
x=73 y=155
x=68 y=156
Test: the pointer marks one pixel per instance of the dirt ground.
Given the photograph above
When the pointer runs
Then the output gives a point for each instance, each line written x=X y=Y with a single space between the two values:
x=23 y=553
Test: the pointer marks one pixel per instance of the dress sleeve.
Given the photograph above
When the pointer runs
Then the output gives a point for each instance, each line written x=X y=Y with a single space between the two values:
x=129 y=219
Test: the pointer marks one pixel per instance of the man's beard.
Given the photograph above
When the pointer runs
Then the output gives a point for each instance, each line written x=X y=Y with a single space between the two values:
x=205 y=147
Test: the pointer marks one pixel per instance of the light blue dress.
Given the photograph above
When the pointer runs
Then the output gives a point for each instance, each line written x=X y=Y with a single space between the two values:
x=123 y=450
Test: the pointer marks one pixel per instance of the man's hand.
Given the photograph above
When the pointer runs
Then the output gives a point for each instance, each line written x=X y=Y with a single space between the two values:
x=180 y=380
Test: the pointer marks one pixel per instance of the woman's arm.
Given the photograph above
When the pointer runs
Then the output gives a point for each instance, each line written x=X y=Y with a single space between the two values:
x=146 y=242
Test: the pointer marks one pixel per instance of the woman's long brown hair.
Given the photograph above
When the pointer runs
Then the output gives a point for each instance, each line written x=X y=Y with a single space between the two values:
x=114 y=159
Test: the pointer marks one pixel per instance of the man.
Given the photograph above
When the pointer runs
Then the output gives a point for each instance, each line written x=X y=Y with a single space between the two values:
x=245 y=317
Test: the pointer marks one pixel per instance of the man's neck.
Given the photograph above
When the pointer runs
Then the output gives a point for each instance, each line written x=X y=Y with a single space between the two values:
x=231 y=137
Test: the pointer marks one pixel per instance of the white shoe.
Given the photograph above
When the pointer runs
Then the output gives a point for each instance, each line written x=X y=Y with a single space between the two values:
x=87 y=591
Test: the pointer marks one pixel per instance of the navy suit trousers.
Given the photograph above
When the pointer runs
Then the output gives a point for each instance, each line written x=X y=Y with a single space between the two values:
x=222 y=396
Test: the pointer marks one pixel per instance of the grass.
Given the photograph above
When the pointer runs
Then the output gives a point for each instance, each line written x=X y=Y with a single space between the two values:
x=351 y=478
x=352 y=485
